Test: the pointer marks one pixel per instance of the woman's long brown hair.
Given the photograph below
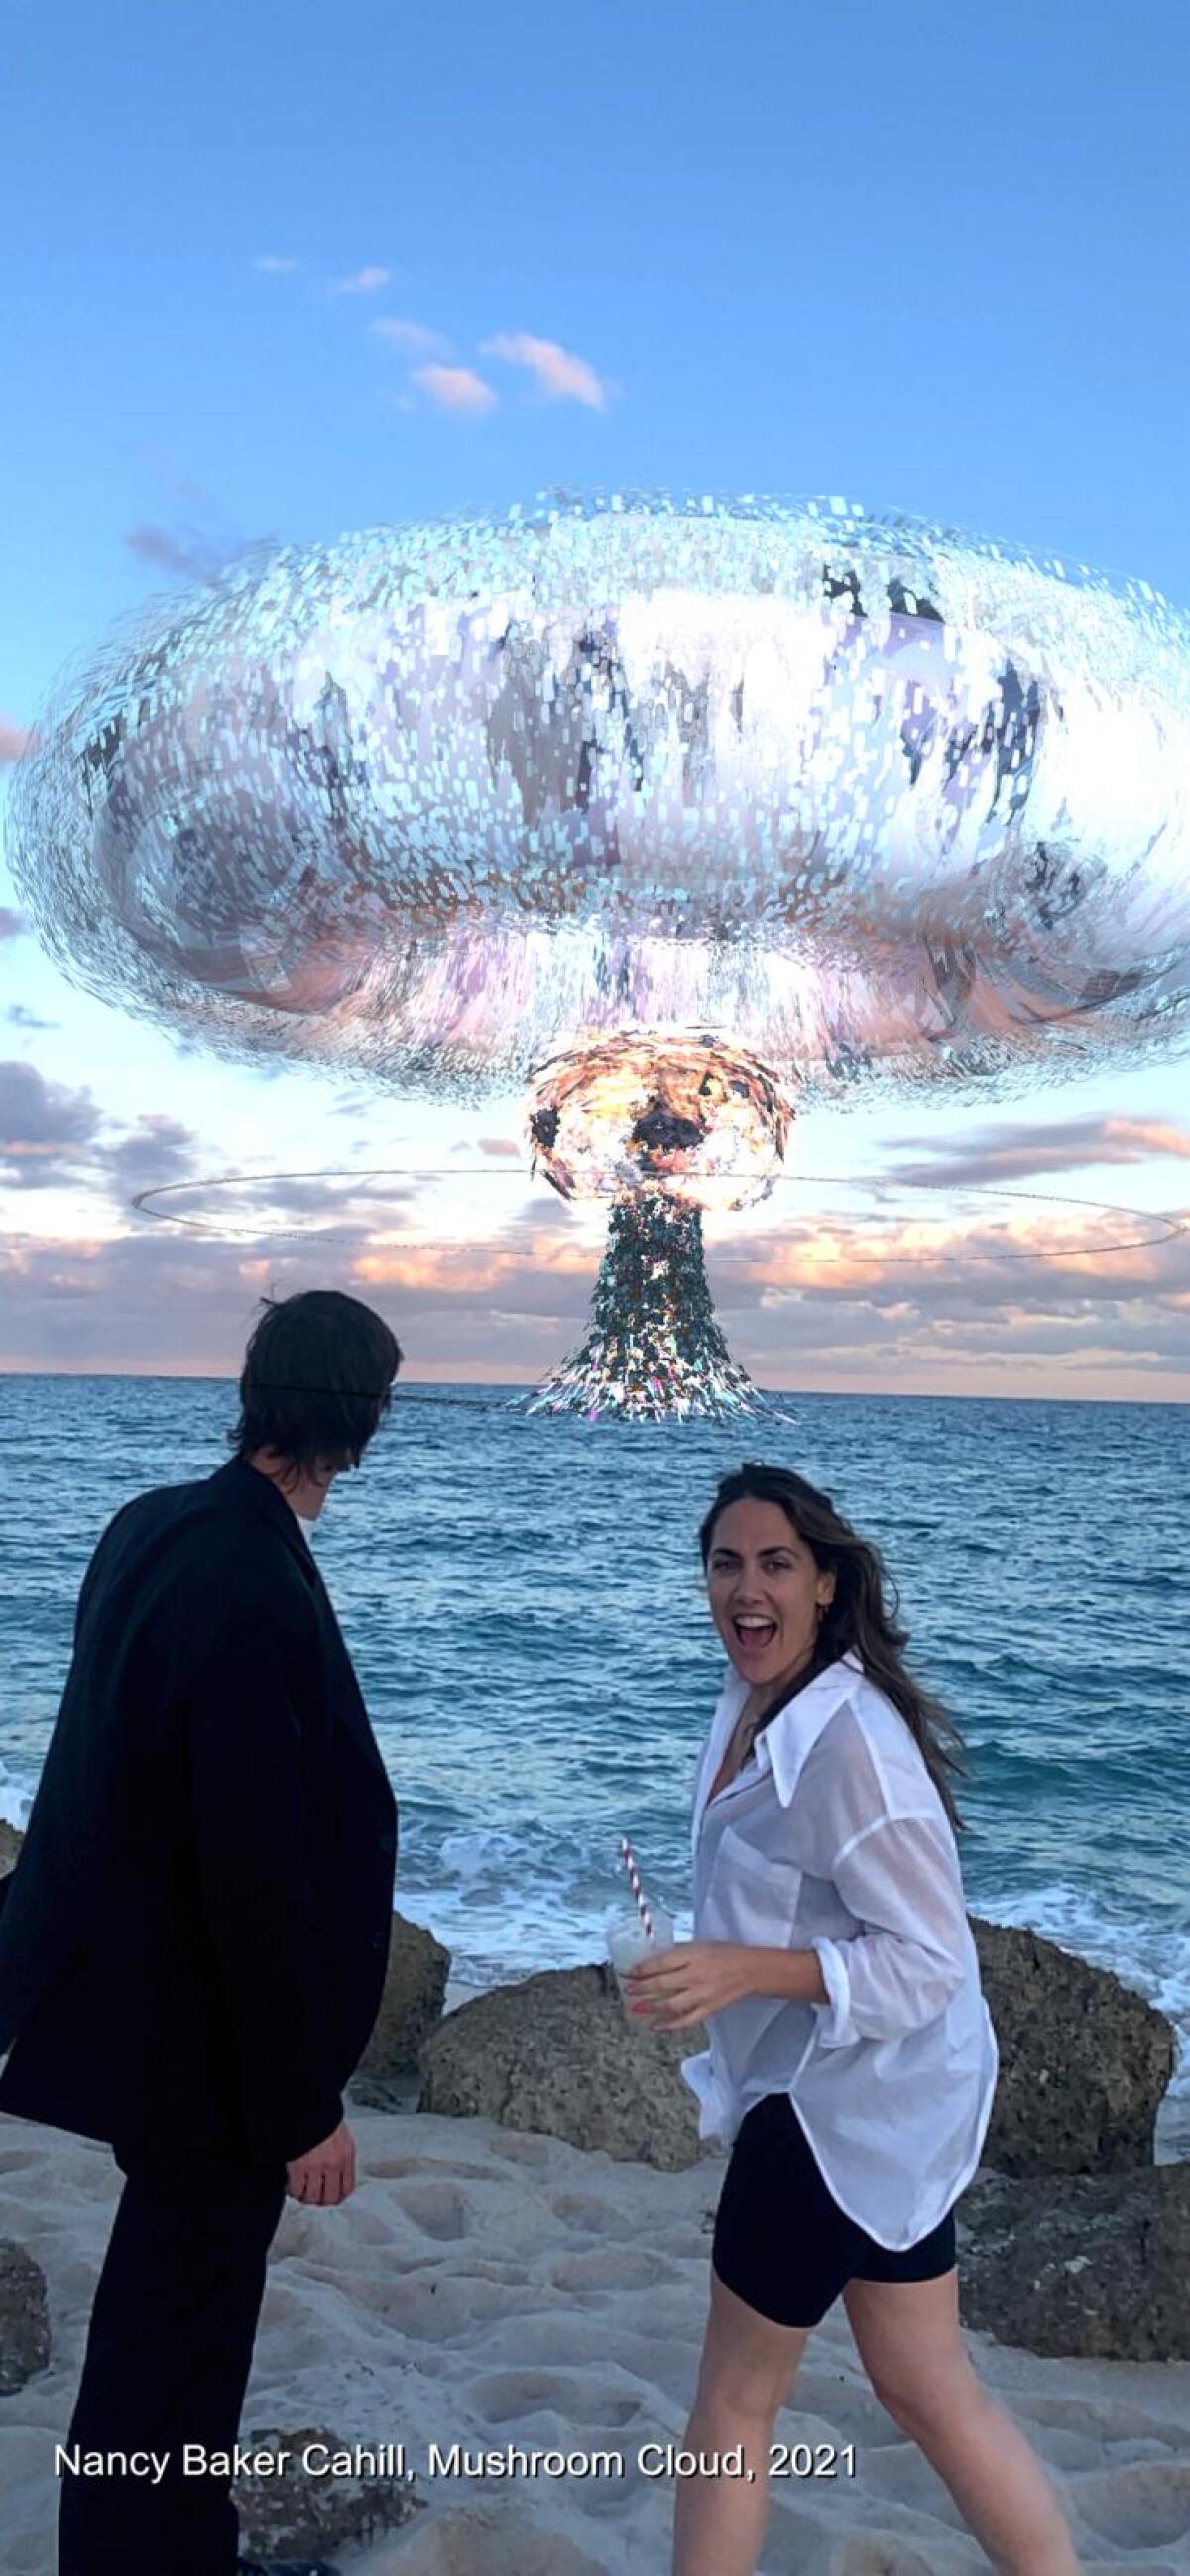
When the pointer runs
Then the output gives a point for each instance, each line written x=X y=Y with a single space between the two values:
x=860 y=1618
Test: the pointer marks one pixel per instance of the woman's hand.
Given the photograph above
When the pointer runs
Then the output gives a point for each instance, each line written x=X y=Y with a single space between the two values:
x=689 y=1981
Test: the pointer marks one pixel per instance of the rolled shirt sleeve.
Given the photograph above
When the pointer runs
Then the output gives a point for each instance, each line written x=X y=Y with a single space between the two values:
x=900 y=1879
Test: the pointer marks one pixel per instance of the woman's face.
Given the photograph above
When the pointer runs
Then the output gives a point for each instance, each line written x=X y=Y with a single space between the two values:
x=764 y=1586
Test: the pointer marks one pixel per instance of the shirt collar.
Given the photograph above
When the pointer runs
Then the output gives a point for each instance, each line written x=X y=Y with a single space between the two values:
x=792 y=1734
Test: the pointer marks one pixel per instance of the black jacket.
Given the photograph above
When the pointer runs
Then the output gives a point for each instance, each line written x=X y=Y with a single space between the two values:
x=194 y=1940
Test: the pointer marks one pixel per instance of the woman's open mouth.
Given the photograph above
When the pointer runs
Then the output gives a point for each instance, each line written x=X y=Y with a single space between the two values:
x=755 y=1634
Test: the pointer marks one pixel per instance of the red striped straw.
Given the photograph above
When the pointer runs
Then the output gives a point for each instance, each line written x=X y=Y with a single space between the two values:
x=629 y=1859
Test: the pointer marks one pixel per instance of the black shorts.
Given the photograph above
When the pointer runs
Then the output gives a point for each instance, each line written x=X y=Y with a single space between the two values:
x=783 y=2244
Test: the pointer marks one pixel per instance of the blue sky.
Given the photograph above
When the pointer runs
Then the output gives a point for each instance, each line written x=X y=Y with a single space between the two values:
x=281 y=275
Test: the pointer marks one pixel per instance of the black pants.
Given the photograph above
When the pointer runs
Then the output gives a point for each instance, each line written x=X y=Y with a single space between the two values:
x=167 y=2363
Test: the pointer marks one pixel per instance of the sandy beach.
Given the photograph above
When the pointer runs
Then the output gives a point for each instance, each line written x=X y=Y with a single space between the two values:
x=487 y=2288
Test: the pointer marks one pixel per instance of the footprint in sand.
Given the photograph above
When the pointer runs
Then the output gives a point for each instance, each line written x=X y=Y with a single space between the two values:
x=439 y=2308
x=548 y=2341
x=1141 y=2507
x=477 y=2267
x=73 y=2283
x=426 y=2169
x=288 y=2304
x=878 y=2558
x=1107 y=2419
x=371 y=2226
x=581 y=2209
x=511 y=2396
x=469 y=2540
x=612 y=2267
x=534 y=2153
x=438 y=2209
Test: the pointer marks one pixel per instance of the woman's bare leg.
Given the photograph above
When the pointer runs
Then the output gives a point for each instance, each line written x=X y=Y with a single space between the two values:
x=748 y=2368
x=911 y=2345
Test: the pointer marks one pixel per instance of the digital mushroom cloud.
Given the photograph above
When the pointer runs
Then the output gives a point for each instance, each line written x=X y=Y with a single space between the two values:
x=678 y=813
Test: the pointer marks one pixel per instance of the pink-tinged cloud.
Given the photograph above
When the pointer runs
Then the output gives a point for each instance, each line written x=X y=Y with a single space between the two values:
x=271 y=264
x=1010 y=1152
x=838 y=1301
x=46 y=1130
x=556 y=371
x=456 y=389
x=500 y=1146
x=14 y=739
x=13 y=925
x=1133 y=1140
x=1053 y=1255
x=507 y=1311
x=413 y=339
x=362 y=281
x=524 y=1280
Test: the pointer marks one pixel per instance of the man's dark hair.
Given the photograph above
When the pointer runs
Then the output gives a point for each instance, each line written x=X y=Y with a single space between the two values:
x=316 y=1381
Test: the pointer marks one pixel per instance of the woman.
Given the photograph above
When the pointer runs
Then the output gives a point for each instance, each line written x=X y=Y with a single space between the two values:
x=852 y=2060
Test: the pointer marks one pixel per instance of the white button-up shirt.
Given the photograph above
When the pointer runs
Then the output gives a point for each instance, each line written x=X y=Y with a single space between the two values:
x=833 y=1838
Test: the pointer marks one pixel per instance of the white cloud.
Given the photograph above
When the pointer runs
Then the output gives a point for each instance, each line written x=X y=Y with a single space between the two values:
x=456 y=389
x=272 y=265
x=362 y=281
x=413 y=339
x=557 y=372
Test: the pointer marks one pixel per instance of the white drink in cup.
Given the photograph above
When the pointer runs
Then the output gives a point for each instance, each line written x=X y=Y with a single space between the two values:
x=627 y=1943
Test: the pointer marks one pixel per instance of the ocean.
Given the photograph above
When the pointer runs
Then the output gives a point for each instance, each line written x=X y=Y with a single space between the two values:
x=523 y=1601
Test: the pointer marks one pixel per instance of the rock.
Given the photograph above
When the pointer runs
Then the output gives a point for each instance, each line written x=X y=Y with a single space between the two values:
x=1098 y=2266
x=296 y=2512
x=414 y=1992
x=556 y=2054
x=1084 y=2062
x=24 y=2317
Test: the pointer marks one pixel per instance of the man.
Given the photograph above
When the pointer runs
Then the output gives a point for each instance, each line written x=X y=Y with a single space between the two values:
x=194 y=1941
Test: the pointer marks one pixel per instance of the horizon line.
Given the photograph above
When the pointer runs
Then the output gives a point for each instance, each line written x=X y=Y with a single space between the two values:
x=516 y=1386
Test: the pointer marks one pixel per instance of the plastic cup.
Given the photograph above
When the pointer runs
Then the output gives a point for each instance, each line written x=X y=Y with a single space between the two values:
x=627 y=1944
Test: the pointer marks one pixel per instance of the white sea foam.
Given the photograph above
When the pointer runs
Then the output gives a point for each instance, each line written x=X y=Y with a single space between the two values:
x=15 y=1800
x=507 y=1903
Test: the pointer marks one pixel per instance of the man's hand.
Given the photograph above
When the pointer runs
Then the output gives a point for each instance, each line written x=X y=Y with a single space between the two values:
x=686 y=1983
x=326 y=2175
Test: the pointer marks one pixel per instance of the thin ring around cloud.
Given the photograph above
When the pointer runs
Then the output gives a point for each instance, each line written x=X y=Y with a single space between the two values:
x=1173 y=1226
